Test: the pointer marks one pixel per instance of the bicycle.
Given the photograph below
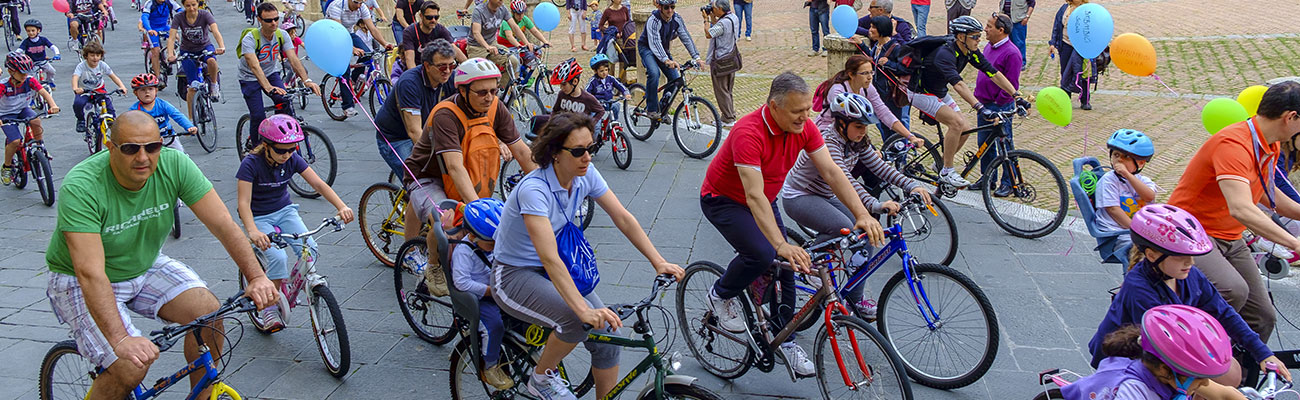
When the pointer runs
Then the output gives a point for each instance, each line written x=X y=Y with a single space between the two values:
x=315 y=148
x=323 y=309
x=99 y=120
x=64 y=371
x=609 y=130
x=511 y=175
x=165 y=69
x=11 y=40
x=920 y=222
x=202 y=112
x=525 y=103
x=697 y=129
x=372 y=80
x=293 y=81
x=867 y=366
x=38 y=102
x=1270 y=388
x=32 y=158
x=1036 y=183
x=293 y=14
x=91 y=29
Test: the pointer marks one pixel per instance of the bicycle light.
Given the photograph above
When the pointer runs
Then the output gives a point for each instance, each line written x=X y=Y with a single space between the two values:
x=675 y=361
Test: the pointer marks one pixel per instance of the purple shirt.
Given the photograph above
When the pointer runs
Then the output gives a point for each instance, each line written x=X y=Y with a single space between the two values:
x=270 y=184
x=1006 y=58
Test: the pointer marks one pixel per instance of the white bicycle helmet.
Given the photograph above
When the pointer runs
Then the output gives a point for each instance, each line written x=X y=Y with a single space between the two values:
x=476 y=69
x=853 y=107
x=965 y=24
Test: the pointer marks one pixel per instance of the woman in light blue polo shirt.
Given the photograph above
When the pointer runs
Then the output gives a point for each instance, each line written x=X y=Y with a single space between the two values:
x=526 y=246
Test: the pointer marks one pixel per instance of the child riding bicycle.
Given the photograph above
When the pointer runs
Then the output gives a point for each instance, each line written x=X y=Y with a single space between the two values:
x=15 y=100
x=145 y=86
x=603 y=86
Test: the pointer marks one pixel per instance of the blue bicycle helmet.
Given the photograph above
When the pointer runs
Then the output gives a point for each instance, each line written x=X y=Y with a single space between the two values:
x=597 y=59
x=1133 y=142
x=482 y=217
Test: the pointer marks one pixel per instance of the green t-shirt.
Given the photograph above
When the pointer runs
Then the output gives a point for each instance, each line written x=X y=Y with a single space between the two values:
x=132 y=225
x=526 y=24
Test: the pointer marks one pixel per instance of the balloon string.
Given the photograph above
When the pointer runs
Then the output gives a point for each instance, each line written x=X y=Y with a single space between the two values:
x=347 y=84
x=1162 y=83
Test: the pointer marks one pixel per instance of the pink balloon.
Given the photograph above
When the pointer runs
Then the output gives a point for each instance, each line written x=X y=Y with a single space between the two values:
x=60 y=5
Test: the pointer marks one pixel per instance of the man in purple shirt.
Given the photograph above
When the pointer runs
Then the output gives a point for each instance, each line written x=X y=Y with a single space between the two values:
x=1006 y=58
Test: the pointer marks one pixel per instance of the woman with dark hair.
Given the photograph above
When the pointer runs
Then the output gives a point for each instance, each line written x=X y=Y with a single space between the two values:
x=856 y=78
x=531 y=280
x=882 y=47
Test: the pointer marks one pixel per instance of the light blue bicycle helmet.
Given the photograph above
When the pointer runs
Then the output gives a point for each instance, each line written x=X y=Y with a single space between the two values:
x=1133 y=142
x=597 y=59
x=853 y=107
x=482 y=216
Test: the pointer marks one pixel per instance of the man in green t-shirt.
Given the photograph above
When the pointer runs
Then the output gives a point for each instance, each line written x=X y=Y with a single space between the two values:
x=114 y=215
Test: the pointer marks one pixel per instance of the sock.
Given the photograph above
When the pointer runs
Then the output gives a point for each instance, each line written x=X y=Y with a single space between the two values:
x=945 y=171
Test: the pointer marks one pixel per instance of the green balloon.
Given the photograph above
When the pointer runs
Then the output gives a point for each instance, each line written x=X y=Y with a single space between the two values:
x=1054 y=105
x=1222 y=112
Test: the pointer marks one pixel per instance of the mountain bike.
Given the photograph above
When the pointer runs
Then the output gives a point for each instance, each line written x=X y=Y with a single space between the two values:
x=853 y=360
x=38 y=72
x=203 y=114
x=33 y=158
x=510 y=176
x=1038 y=199
x=525 y=103
x=322 y=308
x=66 y=375
x=99 y=120
x=372 y=80
x=697 y=129
x=315 y=148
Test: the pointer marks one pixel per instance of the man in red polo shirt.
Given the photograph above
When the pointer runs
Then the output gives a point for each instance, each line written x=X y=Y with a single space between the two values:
x=1228 y=176
x=739 y=198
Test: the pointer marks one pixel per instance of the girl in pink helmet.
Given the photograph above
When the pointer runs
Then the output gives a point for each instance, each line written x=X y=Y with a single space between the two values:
x=264 y=203
x=1165 y=238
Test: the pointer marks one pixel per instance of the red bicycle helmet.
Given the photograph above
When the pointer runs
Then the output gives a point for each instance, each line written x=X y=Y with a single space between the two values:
x=567 y=71
x=518 y=6
x=18 y=61
x=144 y=80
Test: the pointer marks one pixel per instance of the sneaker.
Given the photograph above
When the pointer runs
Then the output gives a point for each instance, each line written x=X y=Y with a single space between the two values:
x=1086 y=107
x=1272 y=248
x=749 y=38
x=416 y=262
x=550 y=387
x=269 y=318
x=7 y=175
x=497 y=377
x=350 y=112
x=826 y=53
x=798 y=360
x=954 y=179
x=436 y=282
x=727 y=312
x=729 y=124
x=81 y=126
x=865 y=309
x=249 y=20
x=813 y=53
x=1004 y=191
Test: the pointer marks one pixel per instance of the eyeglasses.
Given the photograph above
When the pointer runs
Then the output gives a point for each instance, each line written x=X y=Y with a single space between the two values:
x=580 y=151
x=873 y=7
x=270 y=20
x=485 y=92
x=281 y=151
x=431 y=17
x=445 y=67
x=131 y=148
x=668 y=6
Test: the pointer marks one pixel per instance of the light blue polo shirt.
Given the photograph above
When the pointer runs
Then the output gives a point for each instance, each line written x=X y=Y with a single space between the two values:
x=540 y=193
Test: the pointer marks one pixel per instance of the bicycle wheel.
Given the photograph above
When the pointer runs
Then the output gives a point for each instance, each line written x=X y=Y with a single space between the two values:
x=331 y=96
x=585 y=213
x=300 y=23
x=920 y=163
x=42 y=174
x=620 y=146
x=379 y=94
x=545 y=90
x=206 y=119
x=382 y=220
x=330 y=331
x=559 y=3
x=525 y=105
x=723 y=354
x=960 y=347
x=318 y=151
x=1049 y=394
x=101 y=132
x=682 y=391
x=859 y=364
x=302 y=92
x=697 y=129
x=20 y=177
x=634 y=114
x=930 y=236
x=509 y=177
x=430 y=317
x=242 y=131
x=176 y=222
x=65 y=374
x=1038 y=199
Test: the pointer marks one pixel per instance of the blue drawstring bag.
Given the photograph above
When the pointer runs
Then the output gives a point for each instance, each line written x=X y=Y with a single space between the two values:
x=578 y=256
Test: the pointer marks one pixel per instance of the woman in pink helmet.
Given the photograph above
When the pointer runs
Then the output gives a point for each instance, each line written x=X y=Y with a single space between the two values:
x=264 y=203
x=1165 y=238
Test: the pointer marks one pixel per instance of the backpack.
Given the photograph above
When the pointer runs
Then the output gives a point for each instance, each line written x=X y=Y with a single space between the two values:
x=819 y=95
x=912 y=55
x=479 y=147
x=257 y=39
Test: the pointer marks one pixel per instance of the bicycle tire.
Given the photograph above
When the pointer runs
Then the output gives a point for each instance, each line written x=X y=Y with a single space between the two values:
x=410 y=301
x=464 y=379
x=375 y=229
x=379 y=94
x=310 y=150
x=918 y=227
x=206 y=119
x=545 y=90
x=638 y=124
x=42 y=174
x=299 y=22
x=619 y=146
x=76 y=383
x=331 y=94
x=1029 y=191
x=559 y=3
x=695 y=322
x=524 y=105
x=700 y=116
x=339 y=364
x=176 y=222
x=511 y=175
x=888 y=379
x=1050 y=394
x=100 y=134
x=240 y=131
x=682 y=391
x=20 y=176
x=910 y=313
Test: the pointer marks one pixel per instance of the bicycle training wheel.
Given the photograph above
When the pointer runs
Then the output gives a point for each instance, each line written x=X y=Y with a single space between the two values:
x=930 y=232
x=857 y=363
x=331 y=96
x=379 y=94
x=523 y=106
x=697 y=129
x=954 y=343
x=634 y=113
x=206 y=119
x=42 y=175
x=382 y=221
x=330 y=331
x=65 y=374
x=1038 y=200
x=619 y=146
x=318 y=151
x=724 y=354
x=430 y=317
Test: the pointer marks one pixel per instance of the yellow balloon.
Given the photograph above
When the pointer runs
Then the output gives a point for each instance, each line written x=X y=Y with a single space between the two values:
x=1133 y=54
x=1250 y=98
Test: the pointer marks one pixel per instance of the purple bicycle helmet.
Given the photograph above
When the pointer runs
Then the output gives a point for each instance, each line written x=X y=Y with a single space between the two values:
x=280 y=128
x=1170 y=230
x=1186 y=339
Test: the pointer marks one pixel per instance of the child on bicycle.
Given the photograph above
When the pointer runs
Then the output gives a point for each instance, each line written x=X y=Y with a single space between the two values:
x=89 y=77
x=1176 y=351
x=603 y=86
x=36 y=46
x=471 y=273
x=1126 y=190
x=292 y=29
x=1165 y=240
x=82 y=13
x=571 y=97
x=15 y=103
x=145 y=87
x=264 y=205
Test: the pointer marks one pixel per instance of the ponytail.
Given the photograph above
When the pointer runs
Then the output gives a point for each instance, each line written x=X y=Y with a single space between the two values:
x=1135 y=255
x=1123 y=342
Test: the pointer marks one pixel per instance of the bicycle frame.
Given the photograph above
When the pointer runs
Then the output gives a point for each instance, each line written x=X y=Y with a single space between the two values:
x=209 y=376
x=396 y=215
x=897 y=246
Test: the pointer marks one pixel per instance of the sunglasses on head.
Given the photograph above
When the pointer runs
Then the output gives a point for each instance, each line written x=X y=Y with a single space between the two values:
x=131 y=149
x=485 y=92
x=281 y=151
x=431 y=17
x=580 y=151
x=270 y=20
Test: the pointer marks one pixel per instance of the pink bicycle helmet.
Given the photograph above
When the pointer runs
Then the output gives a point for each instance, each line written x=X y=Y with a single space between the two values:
x=1186 y=339
x=280 y=128
x=1169 y=230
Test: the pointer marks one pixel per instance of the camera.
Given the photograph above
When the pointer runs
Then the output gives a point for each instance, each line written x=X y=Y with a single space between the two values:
x=707 y=9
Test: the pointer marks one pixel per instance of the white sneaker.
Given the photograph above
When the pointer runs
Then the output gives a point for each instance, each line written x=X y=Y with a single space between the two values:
x=1272 y=248
x=749 y=38
x=826 y=53
x=954 y=179
x=813 y=53
x=727 y=312
x=350 y=112
x=803 y=367
x=865 y=309
x=550 y=387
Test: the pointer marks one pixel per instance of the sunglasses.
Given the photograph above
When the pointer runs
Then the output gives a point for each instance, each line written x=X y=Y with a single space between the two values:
x=270 y=20
x=131 y=149
x=580 y=151
x=281 y=151
x=485 y=92
x=976 y=37
x=447 y=67
x=668 y=6
x=431 y=17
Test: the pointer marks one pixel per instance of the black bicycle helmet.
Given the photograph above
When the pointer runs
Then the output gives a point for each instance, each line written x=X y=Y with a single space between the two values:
x=965 y=24
x=33 y=22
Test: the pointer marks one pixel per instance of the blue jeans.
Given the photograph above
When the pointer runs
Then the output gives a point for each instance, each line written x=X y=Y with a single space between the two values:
x=653 y=68
x=888 y=132
x=990 y=155
x=921 y=14
x=746 y=13
x=397 y=32
x=818 y=18
x=492 y=329
x=1018 y=33
x=277 y=261
x=352 y=73
x=394 y=161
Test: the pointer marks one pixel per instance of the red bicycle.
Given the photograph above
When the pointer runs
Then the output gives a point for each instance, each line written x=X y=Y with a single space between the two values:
x=609 y=130
x=33 y=159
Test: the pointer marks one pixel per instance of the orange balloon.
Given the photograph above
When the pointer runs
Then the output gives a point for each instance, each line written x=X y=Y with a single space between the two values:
x=1133 y=54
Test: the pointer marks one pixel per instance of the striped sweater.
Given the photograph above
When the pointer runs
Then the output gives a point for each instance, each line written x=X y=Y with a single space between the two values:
x=804 y=179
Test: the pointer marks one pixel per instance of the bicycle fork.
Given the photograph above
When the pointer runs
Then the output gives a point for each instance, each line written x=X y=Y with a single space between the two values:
x=919 y=296
x=835 y=346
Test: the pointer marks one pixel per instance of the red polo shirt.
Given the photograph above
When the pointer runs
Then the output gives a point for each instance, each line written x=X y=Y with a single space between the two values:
x=757 y=142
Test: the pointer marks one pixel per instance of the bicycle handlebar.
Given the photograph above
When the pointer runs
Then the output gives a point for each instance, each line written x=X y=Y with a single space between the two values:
x=167 y=336
x=281 y=239
x=191 y=56
x=625 y=311
x=15 y=121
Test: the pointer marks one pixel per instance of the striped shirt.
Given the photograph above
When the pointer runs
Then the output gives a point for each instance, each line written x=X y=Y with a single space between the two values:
x=804 y=179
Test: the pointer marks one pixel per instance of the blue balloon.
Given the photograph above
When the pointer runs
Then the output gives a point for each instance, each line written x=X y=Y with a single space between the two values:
x=844 y=20
x=546 y=16
x=329 y=46
x=1091 y=28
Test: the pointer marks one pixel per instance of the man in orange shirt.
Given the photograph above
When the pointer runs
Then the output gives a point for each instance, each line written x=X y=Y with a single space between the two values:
x=1228 y=176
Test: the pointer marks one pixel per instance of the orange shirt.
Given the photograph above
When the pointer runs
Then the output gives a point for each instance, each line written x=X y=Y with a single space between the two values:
x=1226 y=155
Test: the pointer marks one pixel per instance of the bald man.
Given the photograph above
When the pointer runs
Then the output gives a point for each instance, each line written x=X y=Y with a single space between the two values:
x=114 y=216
